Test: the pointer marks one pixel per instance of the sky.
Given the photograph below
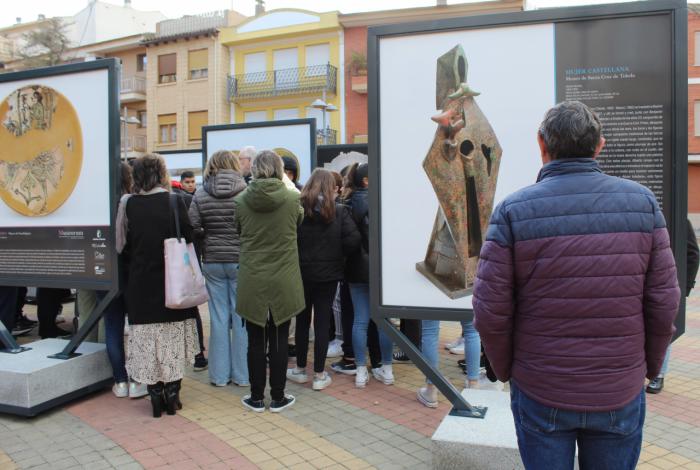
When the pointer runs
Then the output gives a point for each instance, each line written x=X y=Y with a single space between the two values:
x=28 y=10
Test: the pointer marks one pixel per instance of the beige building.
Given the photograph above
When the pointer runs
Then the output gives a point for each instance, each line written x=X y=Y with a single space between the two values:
x=186 y=80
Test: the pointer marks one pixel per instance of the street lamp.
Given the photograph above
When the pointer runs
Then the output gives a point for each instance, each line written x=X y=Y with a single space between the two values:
x=126 y=120
x=321 y=104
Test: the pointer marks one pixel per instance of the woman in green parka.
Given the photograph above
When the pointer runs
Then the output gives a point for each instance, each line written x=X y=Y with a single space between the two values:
x=270 y=290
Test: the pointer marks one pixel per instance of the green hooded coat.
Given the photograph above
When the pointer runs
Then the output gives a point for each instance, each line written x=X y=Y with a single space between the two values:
x=269 y=278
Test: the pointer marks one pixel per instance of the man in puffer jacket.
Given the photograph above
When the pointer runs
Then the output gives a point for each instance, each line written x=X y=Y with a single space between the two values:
x=575 y=298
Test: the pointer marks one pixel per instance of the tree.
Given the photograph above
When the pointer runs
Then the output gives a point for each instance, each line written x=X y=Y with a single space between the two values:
x=47 y=45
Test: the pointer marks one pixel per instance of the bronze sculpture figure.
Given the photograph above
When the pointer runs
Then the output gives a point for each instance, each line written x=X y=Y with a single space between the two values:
x=462 y=165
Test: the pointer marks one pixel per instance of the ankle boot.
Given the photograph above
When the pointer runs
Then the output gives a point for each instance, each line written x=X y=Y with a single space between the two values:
x=178 y=403
x=157 y=400
x=171 y=397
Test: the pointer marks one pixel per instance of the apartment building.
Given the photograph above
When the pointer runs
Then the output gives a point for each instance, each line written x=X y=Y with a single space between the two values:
x=284 y=64
x=694 y=114
x=186 y=79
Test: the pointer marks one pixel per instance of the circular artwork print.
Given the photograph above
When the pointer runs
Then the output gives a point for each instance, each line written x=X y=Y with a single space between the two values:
x=41 y=150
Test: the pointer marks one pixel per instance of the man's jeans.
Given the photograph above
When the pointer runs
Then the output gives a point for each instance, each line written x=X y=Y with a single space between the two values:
x=228 y=341
x=547 y=437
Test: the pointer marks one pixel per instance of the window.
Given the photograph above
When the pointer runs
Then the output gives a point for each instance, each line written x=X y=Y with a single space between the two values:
x=195 y=121
x=697 y=119
x=255 y=116
x=286 y=63
x=167 y=123
x=167 y=66
x=254 y=67
x=317 y=57
x=316 y=114
x=143 y=119
x=290 y=113
x=697 y=48
x=198 y=62
x=141 y=62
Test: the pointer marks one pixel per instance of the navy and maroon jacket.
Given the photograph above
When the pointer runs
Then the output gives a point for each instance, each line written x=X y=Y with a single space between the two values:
x=576 y=288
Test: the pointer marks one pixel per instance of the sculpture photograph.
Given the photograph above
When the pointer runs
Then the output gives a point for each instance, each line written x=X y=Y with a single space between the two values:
x=40 y=150
x=462 y=166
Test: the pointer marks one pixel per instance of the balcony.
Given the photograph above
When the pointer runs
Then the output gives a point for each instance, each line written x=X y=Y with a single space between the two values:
x=133 y=89
x=286 y=82
x=134 y=143
x=326 y=137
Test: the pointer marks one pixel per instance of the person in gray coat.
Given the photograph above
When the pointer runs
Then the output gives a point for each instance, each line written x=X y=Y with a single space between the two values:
x=212 y=214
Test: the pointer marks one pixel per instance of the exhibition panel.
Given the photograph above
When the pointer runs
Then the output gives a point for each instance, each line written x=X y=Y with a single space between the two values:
x=294 y=138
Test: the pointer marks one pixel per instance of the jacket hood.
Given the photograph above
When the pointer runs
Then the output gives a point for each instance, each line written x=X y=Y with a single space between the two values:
x=266 y=195
x=224 y=184
x=564 y=166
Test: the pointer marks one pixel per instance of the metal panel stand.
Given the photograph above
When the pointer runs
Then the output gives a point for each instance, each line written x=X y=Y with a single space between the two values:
x=11 y=346
x=69 y=351
x=461 y=407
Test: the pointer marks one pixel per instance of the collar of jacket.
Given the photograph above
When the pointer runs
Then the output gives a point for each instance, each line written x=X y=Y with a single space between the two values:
x=566 y=166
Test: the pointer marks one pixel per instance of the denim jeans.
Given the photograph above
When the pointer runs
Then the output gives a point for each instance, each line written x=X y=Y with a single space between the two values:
x=472 y=349
x=664 y=366
x=430 y=333
x=228 y=339
x=113 y=317
x=547 y=437
x=360 y=304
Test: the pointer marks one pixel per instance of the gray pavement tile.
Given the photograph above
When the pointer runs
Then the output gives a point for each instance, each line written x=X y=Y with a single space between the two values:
x=30 y=462
x=66 y=463
x=98 y=465
x=89 y=457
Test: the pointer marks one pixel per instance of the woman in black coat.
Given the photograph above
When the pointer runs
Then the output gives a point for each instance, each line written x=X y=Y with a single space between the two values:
x=161 y=340
x=324 y=238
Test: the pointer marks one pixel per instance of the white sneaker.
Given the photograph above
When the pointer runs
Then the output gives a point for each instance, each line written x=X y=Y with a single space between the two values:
x=455 y=343
x=428 y=396
x=384 y=374
x=458 y=350
x=361 y=377
x=297 y=375
x=137 y=390
x=120 y=390
x=335 y=348
x=321 y=382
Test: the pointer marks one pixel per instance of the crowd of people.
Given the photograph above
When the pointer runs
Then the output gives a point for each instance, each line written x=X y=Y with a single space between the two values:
x=574 y=300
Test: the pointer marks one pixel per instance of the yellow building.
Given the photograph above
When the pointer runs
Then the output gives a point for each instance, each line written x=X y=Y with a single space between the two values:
x=281 y=62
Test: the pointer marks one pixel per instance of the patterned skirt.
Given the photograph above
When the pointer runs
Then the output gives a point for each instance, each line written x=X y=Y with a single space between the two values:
x=158 y=352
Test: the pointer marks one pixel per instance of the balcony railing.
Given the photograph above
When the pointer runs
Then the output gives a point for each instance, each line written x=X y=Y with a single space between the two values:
x=133 y=85
x=298 y=81
x=134 y=143
x=326 y=137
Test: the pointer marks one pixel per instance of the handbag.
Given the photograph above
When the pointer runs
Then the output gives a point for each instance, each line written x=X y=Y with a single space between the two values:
x=184 y=283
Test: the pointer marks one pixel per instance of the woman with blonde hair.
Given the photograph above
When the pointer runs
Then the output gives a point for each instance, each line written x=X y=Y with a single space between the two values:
x=212 y=213
x=161 y=340
x=326 y=236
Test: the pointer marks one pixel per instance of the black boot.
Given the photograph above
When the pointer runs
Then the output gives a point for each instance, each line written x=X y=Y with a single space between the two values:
x=178 y=403
x=157 y=399
x=171 y=399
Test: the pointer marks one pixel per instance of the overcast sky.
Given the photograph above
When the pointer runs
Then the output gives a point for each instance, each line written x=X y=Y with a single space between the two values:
x=28 y=10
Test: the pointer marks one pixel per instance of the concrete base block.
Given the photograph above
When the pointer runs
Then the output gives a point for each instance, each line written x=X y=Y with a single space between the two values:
x=470 y=443
x=31 y=382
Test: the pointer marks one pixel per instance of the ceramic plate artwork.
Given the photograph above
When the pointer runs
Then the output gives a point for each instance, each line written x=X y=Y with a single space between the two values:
x=41 y=150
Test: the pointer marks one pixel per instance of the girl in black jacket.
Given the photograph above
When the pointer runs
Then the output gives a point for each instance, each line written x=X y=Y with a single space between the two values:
x=325 y=237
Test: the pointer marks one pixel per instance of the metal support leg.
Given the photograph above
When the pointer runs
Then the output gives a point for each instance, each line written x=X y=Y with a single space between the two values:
x=461 y=407
x=11 y=346
x=80 y=335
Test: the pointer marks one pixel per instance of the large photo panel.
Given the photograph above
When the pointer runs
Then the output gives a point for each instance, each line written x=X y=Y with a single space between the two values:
x=514 y=93
x=453 y=127
x=292 y=138
x=58 y=160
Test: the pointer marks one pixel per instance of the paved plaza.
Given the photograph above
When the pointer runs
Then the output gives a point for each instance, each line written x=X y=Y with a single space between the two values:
x=340 y=427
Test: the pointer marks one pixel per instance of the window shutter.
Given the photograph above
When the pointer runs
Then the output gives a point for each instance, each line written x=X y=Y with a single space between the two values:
x=167 y=119
x=195 y=121
x=167 y=64
x=198 y=59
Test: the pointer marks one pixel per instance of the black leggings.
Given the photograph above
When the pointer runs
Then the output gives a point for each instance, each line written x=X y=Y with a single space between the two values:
x=319 y=297
x=260 y=340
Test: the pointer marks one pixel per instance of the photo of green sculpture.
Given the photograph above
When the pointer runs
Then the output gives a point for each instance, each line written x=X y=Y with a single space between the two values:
x=462 y=166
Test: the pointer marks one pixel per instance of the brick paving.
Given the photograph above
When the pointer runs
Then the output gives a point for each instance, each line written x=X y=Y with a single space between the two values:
x=339 y=428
